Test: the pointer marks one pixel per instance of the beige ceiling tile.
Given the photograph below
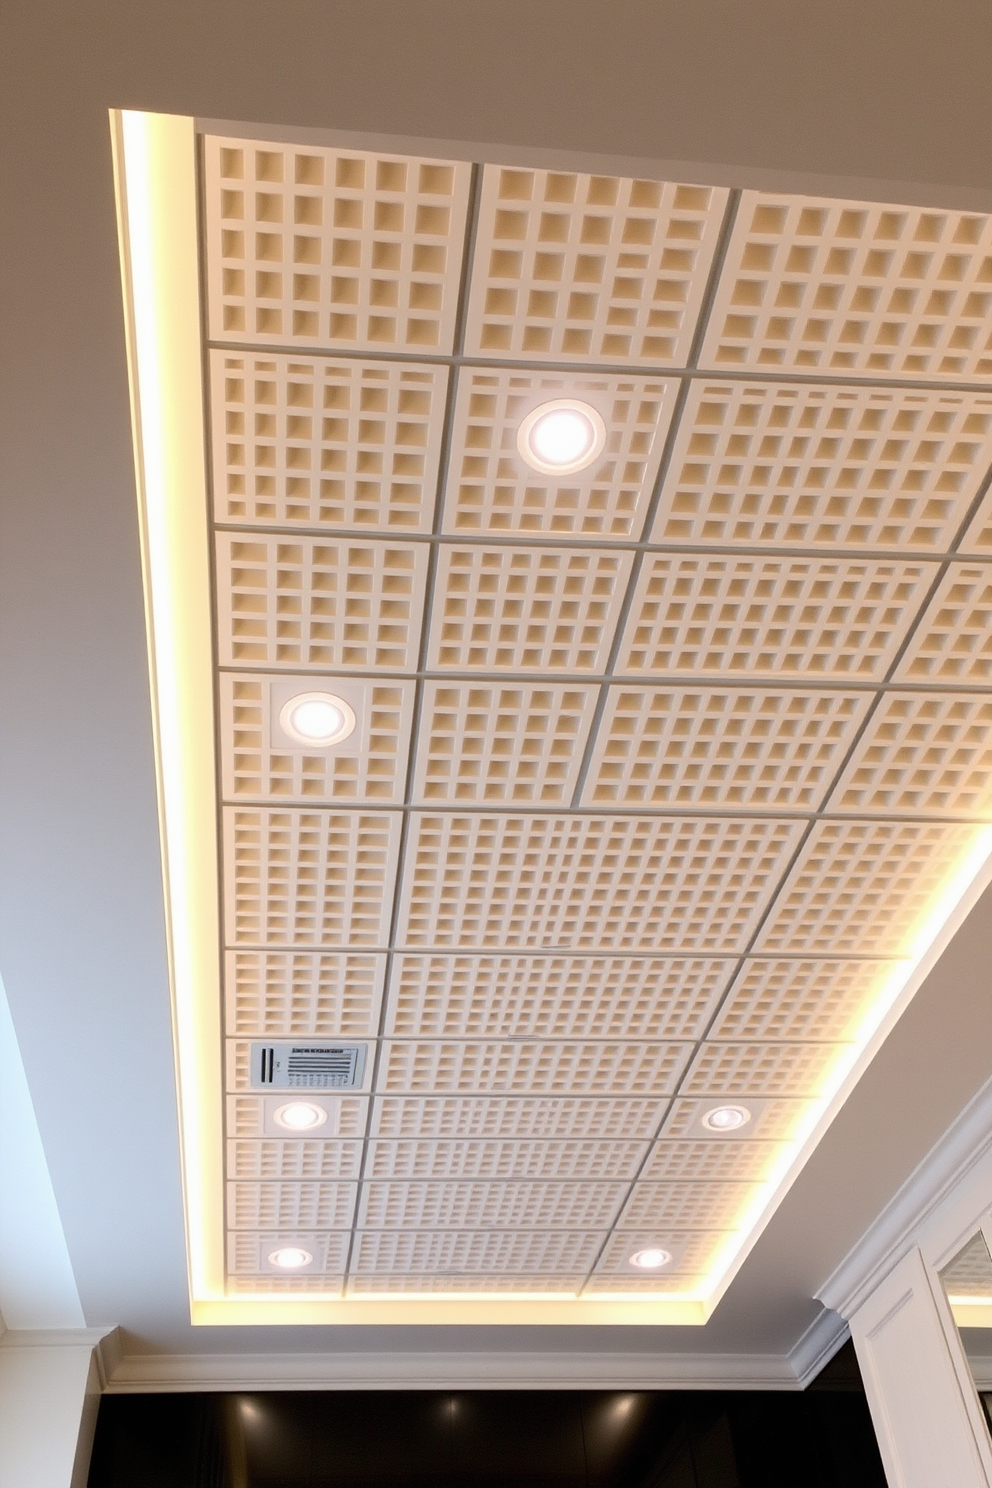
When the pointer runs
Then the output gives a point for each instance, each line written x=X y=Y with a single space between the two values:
x=302 y=602
x=531 y=1068
x=978 y=538
x=509 y=742
x=815 y=284
x=563 y=1118
x=261 y=762
x=340 y=248
x=864 y=888
x=808 y=1000
x=314 y=442
x=247 y=1116
x=281 y=994
x=589 y=882
x=688 y=1206
x=464 y=1252
x=580 y=1160
x=328 y=1285
x=467 y=1205
x=716 y=747
x=773 y=1120
x=954 y=639
x=526 y=609
x=459 y=1283
x=491 y=489
x=248 y=1252
x=824 y=467
x=969 y=1273
x=692 y=1253
x=554 y=996
x=572 y=267
x=294 y=1160
x=775 y=1070
x=672 y=1160
x=919 y=754
x=291 y=1205
x=309 y=878
x=796 y=617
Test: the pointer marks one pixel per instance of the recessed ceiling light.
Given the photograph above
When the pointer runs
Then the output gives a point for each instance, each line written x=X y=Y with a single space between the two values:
x=651 y=1259
x=300 y=1116
x=561 y=436
x=726 y=1118
x=317 y=718
x=290 y=1257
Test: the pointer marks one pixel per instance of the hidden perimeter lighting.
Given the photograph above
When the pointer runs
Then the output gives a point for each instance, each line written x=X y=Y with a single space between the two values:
x=651 y=1259
x=317 y=718
x=300 y=1116
x=726 y=1118
x=290 y=1257
x=561 y=436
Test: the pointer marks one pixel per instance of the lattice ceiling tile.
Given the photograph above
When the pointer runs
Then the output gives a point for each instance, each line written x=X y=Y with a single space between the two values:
x=294 y=1160
x=718 y=746
x=331 y=443
x=522 y=1069
x=466 y=1205
x=816 y=284
x=687 y=1206
x=464 y=1252
x=490 y=742
x=248 y=1253
x=583 y=1160
x=590 y=268
x=863 y=888
x=605 y=883
x=261 y=762
x=526 y=609
x=672 y=1160
x=954 y=640
x=920 y=754
x=691 y=1251
x=309 y=878
x=300 y=602
x=491 y=489
x=778 y=1070
x=969 y=1274
x=332 y=1285
x=338 y=248
x=278 y=994
x=771 y=1121
x=811 y=1000
x=834 y=467
x=250 y=1117
x=563 y=1118
x=801 y=617
x=381 y=1284
x=554 y=996
x=292 y=1205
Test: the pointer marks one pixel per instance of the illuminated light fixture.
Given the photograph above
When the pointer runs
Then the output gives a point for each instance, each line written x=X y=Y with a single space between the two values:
x=651 y=1259
x=561 y=436
x=299 y=1116
x=318 y=718
x=726 y=1118
x=290 y=1257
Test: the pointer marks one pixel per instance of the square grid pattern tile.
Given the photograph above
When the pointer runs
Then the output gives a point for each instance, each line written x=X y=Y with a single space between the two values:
x=656 y=765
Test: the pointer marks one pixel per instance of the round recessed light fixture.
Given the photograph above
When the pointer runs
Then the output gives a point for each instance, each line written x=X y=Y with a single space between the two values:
x=290 y=1257
x=562 y=436
x=651 y=1259
x=726 y=1118
x=299 y=1116
x=317 y=718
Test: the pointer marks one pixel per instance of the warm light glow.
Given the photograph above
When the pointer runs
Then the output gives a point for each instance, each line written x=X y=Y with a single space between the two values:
x=651 y=1259
x=318 y=718
x=562 y=436
x=300 y=1116
x=726 y=1118
x=291 y=1257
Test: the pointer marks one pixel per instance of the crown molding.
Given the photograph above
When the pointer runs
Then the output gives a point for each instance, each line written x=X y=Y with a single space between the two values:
x=932 y=1187
x=89 y=1338
x=827 y=1333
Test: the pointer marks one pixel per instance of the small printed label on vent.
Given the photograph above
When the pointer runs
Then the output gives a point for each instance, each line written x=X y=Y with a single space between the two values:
x=311 y=1065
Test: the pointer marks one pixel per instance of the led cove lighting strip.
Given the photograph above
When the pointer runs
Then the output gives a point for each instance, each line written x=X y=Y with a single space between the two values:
x=155 y=164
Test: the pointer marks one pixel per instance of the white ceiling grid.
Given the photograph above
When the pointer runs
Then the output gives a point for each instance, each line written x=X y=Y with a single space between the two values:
x=657 y=765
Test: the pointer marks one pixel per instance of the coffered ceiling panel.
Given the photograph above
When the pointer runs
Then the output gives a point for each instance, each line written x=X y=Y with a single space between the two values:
x=653 y=766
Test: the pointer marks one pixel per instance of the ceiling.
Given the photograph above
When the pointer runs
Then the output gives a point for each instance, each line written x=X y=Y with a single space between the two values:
x=100 y=887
